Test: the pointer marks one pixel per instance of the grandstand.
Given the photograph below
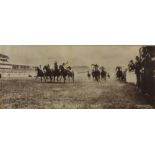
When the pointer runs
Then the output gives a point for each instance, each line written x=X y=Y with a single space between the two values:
x=14 y=70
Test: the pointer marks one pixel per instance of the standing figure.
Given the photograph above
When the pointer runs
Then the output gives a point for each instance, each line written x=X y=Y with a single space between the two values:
x=148 y=85
x=138 y=67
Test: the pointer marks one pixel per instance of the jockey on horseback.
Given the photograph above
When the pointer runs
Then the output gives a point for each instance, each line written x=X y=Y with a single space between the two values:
x=69 y=68
x=64 y=64
x=42 y=69
x=95 y=67
x=96 y=72
x=56 y=66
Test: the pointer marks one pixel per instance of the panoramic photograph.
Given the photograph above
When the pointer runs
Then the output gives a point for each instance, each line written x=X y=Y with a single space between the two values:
x=77 y=77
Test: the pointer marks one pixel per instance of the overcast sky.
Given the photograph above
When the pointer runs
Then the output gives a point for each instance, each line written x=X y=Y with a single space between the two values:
x=76 y=55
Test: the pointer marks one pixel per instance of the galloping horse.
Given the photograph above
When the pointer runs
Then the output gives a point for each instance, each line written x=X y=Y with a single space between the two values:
x=96 y=75
x=121 y=75
x=51 y=73
x=63 y=72
x=70 y=73
x=58 y=72
x=103 y=73
x=95 y=72
x=48 y=72
x=40 y=74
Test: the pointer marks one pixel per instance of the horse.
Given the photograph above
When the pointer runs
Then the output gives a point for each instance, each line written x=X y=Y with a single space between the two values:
x=96 y=75
x=124 y=75
x=63 y=72
x=48 y=72
x=93 y=74
x=40 y=74
x=121 y=75
x=103 y=74
x=70 y=73
x=56 y=73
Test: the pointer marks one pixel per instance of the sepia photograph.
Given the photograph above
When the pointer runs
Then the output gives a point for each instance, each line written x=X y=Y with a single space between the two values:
x=77 y=77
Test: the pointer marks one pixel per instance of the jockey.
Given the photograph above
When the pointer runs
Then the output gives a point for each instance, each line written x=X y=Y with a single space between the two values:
x=40 y=67
x=69 y=68
x=95 y=67
x=102 y=68
x=64 y=64
x=48 y=66
x=55 y=65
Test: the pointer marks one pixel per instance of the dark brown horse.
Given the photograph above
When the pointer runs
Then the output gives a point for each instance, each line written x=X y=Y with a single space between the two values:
x=96 y=75
x=103 y=73
x=70 y=73
x=40 y=74
x=95 y=72
x=48 y=72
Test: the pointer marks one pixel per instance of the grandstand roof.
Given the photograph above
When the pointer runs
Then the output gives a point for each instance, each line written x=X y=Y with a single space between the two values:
x=4 y=56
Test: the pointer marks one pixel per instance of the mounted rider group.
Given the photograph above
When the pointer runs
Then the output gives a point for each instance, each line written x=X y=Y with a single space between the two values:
x=56 y=74
x=98 y=73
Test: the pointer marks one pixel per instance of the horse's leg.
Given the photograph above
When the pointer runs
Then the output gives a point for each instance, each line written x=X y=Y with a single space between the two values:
x=50 y=78
x=41 y=78
x=73 y=77
x=54 y=78
x=69 y=78
x=60 y=77
x=96 y=78
x=57 y=78
x=64 y=78
x=44 y=78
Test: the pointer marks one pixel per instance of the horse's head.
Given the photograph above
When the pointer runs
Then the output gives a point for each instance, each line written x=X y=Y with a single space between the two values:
x=69 y=68
x=61 y=67
x=39 y=71
x=36 y=68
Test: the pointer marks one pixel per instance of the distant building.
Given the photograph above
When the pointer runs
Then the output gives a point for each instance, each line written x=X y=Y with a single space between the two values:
x=7 y=69
x=3 y=58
